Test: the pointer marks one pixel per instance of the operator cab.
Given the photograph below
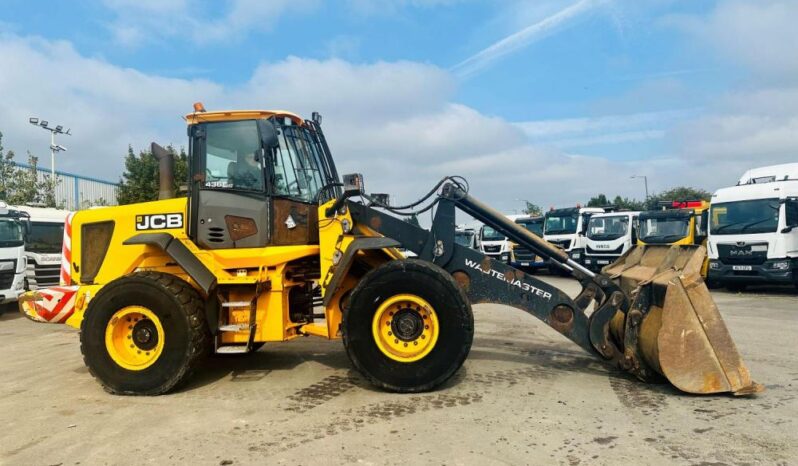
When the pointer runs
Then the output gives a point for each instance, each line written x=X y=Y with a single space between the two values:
x=257 y=178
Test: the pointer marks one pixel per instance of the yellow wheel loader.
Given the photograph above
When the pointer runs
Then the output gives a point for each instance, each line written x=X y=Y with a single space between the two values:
x=155 y=287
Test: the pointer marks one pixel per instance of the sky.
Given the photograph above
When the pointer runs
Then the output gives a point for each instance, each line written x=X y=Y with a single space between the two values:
x=551 y=101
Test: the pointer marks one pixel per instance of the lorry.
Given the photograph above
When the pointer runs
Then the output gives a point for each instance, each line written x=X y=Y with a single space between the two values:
x=609 y=236
x=43 y=246
x=566 y=228
x=524 y=258
x=14 y=224
x=466 y=237
x=676 y=222
x=232 y=264
x=495 y=244
x=753 y=234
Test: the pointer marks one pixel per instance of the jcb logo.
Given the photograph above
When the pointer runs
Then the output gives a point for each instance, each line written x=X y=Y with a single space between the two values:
x=159 y=221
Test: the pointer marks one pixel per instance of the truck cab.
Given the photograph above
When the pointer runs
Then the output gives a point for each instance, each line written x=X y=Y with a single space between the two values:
x=677 y=222
x=43 y=246
x=609 y=236
x=753 y=232
x=466 y=237
x=566 y=229
x=13 y=226
x=523 y=258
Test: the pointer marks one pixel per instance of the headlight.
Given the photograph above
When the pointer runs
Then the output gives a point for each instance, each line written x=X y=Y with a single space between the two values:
x=505 y=257
x=714 y=265
x=780 y=265
x=576 y=255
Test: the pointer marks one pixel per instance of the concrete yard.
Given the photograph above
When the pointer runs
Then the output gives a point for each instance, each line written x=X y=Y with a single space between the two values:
x=525 y=396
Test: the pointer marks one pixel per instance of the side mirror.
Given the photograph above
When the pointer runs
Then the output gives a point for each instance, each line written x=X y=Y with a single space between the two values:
x=268 y=134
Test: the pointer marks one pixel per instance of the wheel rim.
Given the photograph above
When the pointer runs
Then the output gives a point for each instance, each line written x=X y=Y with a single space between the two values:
x=134 y=338
x=405 y=328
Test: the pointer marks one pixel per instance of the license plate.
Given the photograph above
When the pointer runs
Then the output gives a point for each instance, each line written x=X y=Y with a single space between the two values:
x=602 y=262
x=741 y=267
x=524 y=264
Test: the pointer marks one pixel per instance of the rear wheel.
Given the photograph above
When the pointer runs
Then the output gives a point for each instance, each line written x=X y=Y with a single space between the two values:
x=408 y=327
x=143 y=334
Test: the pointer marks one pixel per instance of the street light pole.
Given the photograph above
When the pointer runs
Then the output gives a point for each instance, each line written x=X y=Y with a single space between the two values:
x=645 y=182
x=44 y=124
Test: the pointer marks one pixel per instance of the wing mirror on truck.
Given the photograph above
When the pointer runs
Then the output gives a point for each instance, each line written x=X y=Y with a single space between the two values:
x=790 y=214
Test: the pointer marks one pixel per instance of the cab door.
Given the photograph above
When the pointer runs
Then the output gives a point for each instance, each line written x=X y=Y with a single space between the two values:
x=228 y=203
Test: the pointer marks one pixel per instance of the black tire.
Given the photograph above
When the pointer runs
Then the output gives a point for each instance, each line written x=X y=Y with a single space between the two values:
x=180 y=310
x=455 y=319
x=736 y=287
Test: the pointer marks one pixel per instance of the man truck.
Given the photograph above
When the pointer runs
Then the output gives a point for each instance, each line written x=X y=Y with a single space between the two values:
x=753 y=237
x=13 y=226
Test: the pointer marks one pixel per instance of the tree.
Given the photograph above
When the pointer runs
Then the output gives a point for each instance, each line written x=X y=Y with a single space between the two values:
x=139 y=182
x=598 y=201
x=533 y=209
x=679 y=193
x=24 y=186
x=7 y=170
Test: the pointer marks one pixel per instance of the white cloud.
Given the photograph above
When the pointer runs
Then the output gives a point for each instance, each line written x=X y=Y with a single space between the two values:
x=755 y=123
x=137 y=22
x=395 y=122
x=761 y=35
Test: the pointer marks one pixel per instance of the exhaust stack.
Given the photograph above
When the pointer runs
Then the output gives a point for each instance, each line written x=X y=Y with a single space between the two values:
x=166 y=172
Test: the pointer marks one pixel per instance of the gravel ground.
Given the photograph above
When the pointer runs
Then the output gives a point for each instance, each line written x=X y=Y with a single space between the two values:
x=525 y=396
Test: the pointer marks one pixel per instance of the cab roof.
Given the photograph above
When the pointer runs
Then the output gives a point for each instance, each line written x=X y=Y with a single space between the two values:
x=235 y=115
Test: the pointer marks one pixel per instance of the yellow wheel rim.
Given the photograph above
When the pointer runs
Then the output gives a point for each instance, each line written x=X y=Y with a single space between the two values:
x=134 y=338
x=405 y=328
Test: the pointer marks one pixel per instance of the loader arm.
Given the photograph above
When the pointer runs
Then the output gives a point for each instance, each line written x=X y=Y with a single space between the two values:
x=649 y=313
x=489 y=281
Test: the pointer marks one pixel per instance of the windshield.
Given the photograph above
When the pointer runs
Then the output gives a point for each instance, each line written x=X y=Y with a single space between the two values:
x=535 y=226
x=607 y=228
x=232 y=156
x=464 y=238
x=10 y=232
x=489 y=234
x=45 y=238
x=756 y=216
x=560 y=224
x=664 y=229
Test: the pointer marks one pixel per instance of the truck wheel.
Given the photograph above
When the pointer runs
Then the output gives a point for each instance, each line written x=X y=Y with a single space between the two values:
x=408 y=327
x=143 y=334
x=736 y=287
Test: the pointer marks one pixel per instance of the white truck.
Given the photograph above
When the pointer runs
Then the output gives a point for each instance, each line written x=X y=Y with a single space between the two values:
x=495 y=244
x=753 y=230
x=609 y=236
x=523 y=258
x=13 y=226
x=43 y=246
x=467 y=237
x=566 y=228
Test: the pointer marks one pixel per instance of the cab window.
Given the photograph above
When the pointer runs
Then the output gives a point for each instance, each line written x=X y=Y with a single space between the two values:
x=233 y=158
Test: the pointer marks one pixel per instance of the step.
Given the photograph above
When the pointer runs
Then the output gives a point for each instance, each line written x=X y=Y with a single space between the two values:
x=234 y=328
x=232 y=349
x=237 y=304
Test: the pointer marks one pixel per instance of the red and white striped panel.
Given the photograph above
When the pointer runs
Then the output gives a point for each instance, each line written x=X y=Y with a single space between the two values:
x=55 y=304
x=66 y=252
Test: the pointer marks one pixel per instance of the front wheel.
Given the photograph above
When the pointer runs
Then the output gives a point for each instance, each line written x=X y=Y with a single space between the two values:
x=143 y=334
x=408 y=327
